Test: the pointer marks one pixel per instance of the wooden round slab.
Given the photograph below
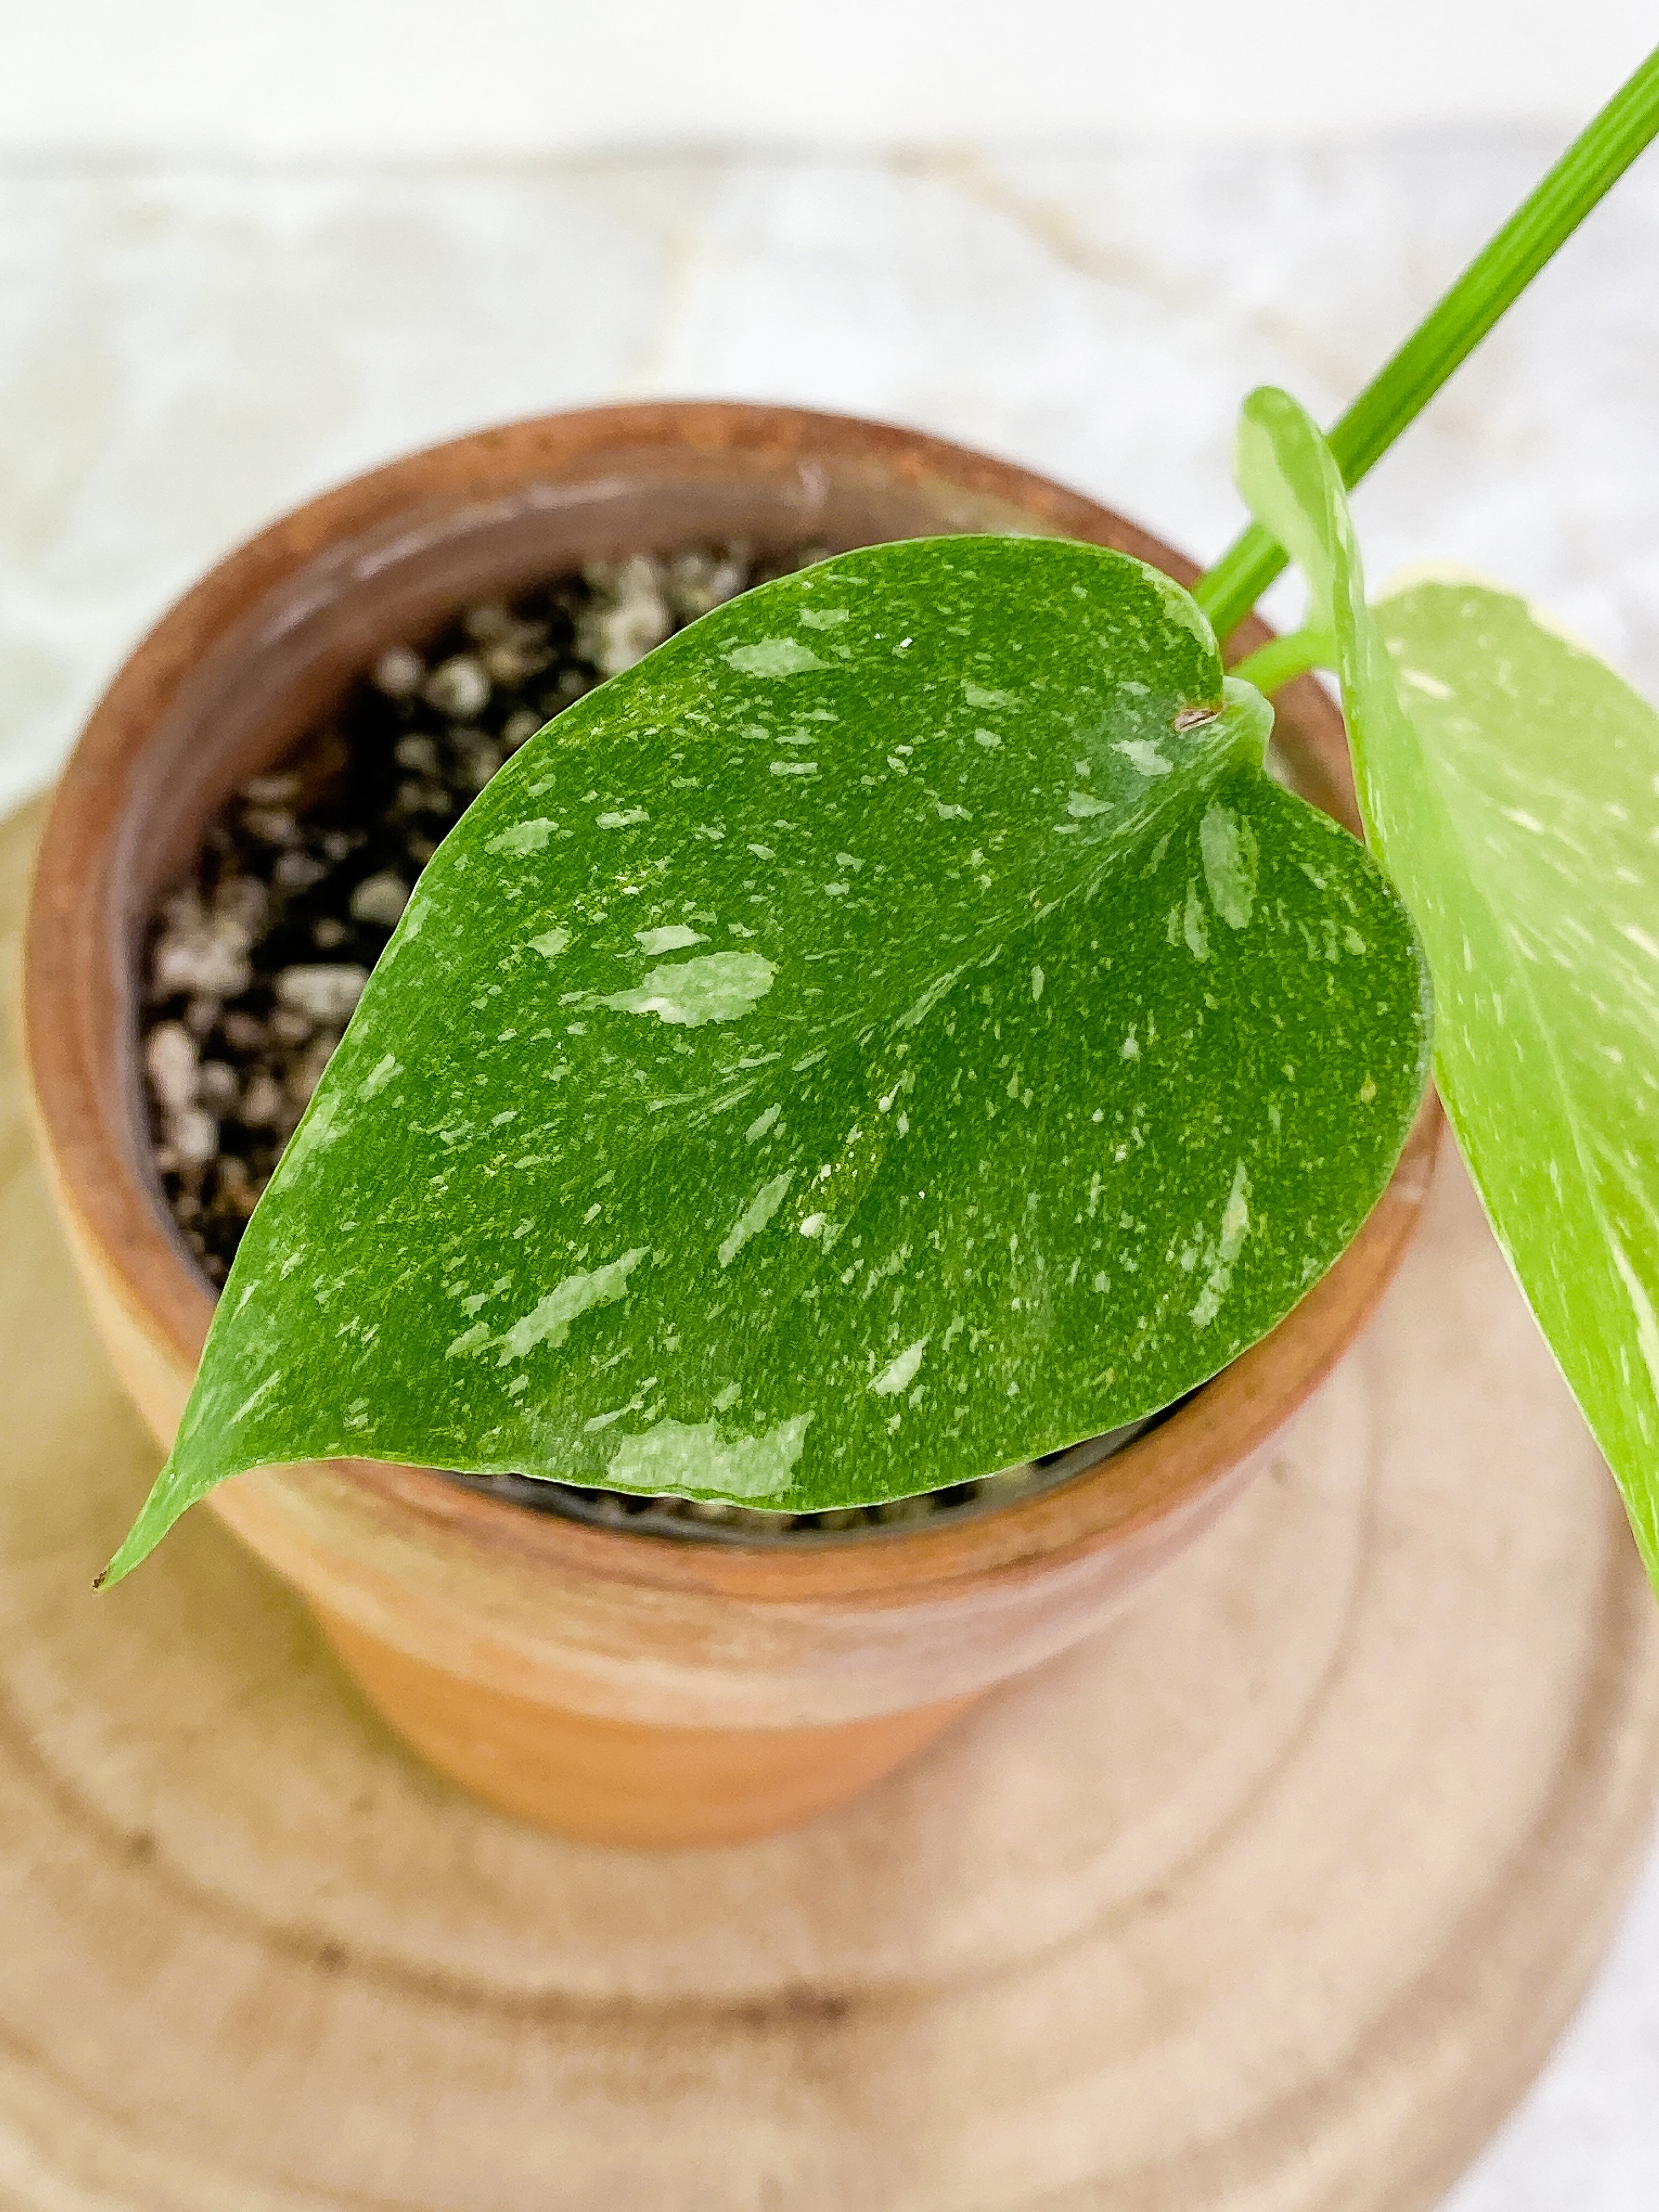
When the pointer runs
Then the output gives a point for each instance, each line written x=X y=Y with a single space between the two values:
x=1269 y=1900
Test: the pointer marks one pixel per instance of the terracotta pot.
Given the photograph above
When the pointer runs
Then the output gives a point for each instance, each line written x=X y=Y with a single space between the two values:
x=608 y=1684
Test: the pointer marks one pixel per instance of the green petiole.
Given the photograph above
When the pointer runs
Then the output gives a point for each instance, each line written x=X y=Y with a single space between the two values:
x=1282 y=659
x=1491 y=284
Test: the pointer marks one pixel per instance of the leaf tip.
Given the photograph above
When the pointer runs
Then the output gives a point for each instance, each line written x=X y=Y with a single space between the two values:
x=126 y=1558
x=168 y=1499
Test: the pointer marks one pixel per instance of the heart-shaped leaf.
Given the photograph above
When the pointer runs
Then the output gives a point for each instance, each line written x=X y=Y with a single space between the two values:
x=1509 y=780
x=896 y=1029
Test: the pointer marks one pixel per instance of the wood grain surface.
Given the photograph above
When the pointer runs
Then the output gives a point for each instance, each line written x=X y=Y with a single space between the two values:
x=1269 y=1900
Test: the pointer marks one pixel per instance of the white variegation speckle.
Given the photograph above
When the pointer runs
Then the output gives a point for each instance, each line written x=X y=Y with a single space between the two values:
x=383 y=1072
x=1182 y=608
x=921 y=1008
x=1193 y=925
x=773 y=656
x=674 y=938
x=719 y=987
x=754 y=1215
x=1228 y=847
x=1647 y=1328
x=901 y=1372
x=522 y=838
x=548 y=1320
x=263 y=1390
x=320 y=1128
x=1235 y=1224
x=699 y=1458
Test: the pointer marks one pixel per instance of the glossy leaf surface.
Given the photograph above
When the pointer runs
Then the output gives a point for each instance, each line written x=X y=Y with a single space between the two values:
x=896 y=1029
x=1511 y=784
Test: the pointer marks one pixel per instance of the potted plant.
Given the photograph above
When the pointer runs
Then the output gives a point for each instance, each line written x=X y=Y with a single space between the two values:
x=894 y=1032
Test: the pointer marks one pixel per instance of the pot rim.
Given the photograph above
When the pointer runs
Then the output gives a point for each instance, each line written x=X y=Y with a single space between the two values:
x=82 y=1052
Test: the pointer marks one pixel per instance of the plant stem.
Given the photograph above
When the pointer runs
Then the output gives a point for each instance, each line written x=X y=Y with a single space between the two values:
x=1496 y=277
x=1283 y=658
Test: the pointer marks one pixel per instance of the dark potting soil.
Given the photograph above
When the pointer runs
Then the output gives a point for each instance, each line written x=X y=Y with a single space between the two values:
x=252 y=967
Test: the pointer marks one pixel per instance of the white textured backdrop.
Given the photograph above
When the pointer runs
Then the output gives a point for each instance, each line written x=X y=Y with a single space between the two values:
x=185 y=352
x=420 y=78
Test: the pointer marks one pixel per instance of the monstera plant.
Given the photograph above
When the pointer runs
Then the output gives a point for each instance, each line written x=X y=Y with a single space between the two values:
x=901 y=1027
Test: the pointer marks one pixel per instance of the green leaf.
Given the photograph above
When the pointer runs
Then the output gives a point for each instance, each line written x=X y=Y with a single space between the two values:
x=1509 y=782
x=896 y=1029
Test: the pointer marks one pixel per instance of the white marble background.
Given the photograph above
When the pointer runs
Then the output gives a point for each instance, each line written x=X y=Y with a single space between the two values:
x=184 y=353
